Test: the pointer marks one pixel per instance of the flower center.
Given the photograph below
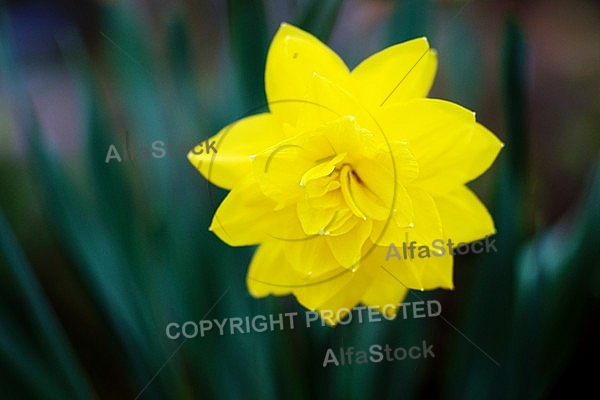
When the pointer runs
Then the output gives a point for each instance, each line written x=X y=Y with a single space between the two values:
x=347 y=177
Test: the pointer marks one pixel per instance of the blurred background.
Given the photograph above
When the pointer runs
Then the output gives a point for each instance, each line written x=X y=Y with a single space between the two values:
x=97 y=258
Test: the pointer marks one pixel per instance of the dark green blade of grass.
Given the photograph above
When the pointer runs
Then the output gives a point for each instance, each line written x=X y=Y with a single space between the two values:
x=406 y=376
x=555 y=292
x=65 y=366
x=410 y=20
x=319 y=18
x=248 y=358
x=249 y=42
x=101 y=267
x=461 y=61
x=24 y=373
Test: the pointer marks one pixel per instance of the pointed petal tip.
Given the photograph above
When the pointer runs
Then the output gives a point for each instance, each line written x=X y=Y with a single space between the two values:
x=285 y=25
x=191 y=156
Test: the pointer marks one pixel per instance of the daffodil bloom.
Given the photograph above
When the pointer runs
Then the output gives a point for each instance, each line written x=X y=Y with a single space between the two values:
x=343 y=164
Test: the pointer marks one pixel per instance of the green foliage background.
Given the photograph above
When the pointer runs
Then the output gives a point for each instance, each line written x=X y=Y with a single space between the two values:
x=96 y=259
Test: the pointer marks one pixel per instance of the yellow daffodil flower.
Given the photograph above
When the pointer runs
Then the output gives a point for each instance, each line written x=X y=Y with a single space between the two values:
x=345 y=164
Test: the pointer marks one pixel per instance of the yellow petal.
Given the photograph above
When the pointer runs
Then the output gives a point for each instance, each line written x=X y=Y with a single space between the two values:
x=345 y=134
x=321 y=186
x=246 y=217
x=331 y=199
x=402 y=72
x=394 y=227
x=344 y=289
x=486 y=146
x=378 y=182
x=269 y=271
x=420 y=269
x=314 y=220
x=437 y=272
x=327 y=107
x=361 y=200
x=321 y=170
x=423 y=267
x=408 y=271
x=311 y=258
x=295 y=57
x=449 y=146
x=377 y=172
x=395 y=280
x=347 y=248
x=419 y=121
x=234 y=144
x=427 y=225
x=405 y=163
x=463 y=215
x=384 y=290
x=342 y=223
x=278 y=171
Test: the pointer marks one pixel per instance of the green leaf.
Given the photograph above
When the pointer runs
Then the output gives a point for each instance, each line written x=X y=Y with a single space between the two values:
x=410 y=20
x=249 y=42
x=555 y=291
x=65 y=368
